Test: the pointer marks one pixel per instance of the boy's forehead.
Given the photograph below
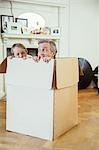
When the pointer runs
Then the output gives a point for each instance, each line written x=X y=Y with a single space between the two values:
x=18 y=49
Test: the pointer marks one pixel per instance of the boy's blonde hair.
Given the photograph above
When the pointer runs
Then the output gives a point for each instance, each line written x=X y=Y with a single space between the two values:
x=19 y=45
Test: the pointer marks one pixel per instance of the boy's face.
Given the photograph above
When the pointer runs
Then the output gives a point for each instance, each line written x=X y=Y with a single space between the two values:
x=44 y=50
x=19 y=52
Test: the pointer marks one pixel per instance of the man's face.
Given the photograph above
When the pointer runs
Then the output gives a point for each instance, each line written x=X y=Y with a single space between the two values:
x=44 y=50
x=19 y=52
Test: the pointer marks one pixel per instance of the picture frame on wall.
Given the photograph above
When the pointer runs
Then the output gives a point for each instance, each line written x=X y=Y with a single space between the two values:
x=47 y=30
x=5 y=19
x=22 y=22
x=55 y=31
x=14 y=28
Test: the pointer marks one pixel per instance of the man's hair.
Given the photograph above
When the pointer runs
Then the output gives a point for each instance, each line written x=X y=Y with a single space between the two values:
x=53 y=47
x=19 y=45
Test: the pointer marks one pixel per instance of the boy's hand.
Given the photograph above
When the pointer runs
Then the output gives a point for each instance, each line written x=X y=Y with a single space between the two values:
x=10 y=57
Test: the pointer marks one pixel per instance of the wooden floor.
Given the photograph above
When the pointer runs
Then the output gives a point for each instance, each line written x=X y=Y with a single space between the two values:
x=85 y=136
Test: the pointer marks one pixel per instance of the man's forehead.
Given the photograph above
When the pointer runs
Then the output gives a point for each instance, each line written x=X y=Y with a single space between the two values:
x=44 y=44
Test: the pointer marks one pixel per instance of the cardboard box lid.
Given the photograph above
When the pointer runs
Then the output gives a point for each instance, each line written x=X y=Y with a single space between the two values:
x=66 y=72
x=29 y=73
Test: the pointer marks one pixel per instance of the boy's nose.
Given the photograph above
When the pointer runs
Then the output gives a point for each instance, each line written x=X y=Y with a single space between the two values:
x=20 y=55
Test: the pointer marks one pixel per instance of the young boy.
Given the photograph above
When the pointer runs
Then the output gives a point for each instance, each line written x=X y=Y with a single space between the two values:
x=18 y=50
x=47 y=50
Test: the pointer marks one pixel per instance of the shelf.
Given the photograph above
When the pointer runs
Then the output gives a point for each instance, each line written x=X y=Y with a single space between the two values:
x=31 y=36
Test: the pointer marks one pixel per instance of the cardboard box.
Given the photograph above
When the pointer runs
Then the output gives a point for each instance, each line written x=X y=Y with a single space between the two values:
x=42 y=99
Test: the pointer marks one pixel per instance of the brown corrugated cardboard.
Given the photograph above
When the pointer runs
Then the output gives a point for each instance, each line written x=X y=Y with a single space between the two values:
x=66 y=72
x=65 y=110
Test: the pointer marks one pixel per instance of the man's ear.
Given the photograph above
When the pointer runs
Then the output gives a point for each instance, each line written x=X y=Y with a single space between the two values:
x=53 y=53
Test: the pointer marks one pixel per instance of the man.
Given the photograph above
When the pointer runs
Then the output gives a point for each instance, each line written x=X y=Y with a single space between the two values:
x=47 y=50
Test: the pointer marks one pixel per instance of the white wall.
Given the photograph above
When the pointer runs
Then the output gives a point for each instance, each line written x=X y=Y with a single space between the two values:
x=1 y=75
x=18 y=8
x=44 y=2
x=98 y=29
x=83 y=30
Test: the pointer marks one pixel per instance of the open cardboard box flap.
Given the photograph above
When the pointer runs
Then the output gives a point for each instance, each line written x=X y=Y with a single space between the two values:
x=57 y=73
x=66 y=72
x=3 y=66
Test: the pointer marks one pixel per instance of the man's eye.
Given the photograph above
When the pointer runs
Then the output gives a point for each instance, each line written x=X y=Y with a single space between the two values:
x=43 y=50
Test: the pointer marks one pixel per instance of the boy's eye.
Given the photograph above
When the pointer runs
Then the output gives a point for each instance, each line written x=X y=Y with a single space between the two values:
x=18 y=54
x=22 y=53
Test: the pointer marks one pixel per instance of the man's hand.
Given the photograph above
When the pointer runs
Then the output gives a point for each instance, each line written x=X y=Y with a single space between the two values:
x=36 y=58
x=46 y=59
